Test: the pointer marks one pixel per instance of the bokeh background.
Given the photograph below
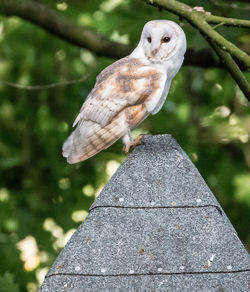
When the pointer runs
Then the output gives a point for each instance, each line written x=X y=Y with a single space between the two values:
x=42 y=198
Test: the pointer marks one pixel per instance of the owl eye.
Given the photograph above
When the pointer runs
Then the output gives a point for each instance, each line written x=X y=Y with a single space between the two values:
x=166 y=39
x=149 y=39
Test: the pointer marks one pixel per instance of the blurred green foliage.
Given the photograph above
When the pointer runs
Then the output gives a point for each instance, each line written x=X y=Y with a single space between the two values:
x=7 y=283
x=42 y=198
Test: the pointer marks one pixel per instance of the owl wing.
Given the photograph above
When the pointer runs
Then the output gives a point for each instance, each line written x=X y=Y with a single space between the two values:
x=124 y=94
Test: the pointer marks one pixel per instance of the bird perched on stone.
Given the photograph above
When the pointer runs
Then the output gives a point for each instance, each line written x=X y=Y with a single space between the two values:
x=127 y=91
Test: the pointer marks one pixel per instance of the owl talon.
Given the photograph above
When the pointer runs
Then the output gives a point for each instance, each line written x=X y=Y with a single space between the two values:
x=138 y=141
x=126 y=148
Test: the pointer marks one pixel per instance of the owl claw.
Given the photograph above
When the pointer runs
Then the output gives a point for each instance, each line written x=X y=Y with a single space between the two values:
x=127 y=147
x=133 y=144
x=138 y=140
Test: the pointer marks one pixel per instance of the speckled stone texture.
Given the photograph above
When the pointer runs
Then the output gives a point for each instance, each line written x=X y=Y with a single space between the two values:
x=156 y=226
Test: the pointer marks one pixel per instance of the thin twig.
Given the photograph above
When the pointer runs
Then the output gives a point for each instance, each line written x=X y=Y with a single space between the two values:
x=223 y=43
x=46 y=86
x=214 y=19
x=218 y=25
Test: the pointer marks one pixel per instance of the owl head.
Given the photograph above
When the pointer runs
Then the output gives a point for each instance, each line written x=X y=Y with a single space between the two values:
x=162 y=40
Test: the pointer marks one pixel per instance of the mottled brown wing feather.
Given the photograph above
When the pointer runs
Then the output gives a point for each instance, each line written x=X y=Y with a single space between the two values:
x=81 y=145
x=90 y=138
x=123 y=83
x=116 y=103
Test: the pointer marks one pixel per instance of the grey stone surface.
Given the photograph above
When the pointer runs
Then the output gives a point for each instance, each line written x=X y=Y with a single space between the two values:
x=172 y=240
x=153 y=283
x=157 y=173
x=156 y=226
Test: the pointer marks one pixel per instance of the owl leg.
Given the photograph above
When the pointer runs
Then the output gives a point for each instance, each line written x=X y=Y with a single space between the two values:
x=129 y=142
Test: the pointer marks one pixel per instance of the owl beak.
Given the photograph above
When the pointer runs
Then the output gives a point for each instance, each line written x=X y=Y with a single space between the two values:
x=155 y=51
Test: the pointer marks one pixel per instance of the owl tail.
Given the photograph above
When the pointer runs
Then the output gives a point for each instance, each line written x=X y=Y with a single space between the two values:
x=90 y=138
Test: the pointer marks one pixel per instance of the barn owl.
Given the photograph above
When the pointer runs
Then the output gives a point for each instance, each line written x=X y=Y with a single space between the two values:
x=127 y=91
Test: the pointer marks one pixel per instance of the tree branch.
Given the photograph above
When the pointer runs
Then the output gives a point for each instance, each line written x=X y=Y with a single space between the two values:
x=44 y=86
x=233 y=69
x=227 y=21
x=58 y=25
x=83 y=37
x=199 y=20
x=223 y=43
